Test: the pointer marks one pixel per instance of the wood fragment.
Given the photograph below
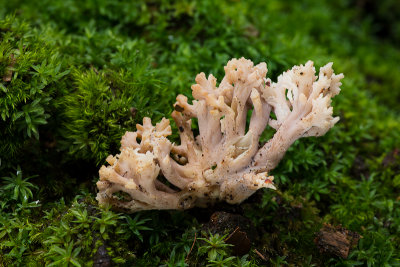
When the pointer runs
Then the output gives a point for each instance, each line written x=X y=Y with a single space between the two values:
x=336 y=240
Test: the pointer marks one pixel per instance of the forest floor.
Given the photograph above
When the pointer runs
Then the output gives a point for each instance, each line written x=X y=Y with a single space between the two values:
x=75 y=75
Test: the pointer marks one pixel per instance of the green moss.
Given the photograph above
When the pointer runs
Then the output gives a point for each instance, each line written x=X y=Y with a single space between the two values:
x=33 y=73
x=74 y=76
x=104 y=105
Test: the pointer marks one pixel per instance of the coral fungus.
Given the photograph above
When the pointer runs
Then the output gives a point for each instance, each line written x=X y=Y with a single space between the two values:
x=224 y=161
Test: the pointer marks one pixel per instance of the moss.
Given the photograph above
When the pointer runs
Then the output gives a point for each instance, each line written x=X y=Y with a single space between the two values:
x=33 y=73
x=74 y=76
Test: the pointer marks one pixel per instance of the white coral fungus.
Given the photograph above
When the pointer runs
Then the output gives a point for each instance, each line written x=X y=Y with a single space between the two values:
x=224 y=161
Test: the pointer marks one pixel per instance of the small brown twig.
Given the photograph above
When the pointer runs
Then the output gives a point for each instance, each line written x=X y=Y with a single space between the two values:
x=229 y=236
x=194 y=241
x=260 y=255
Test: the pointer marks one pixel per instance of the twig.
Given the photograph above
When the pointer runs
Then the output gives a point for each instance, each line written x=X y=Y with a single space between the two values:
x=234 y=231
x=194 y=241
x=260 y=255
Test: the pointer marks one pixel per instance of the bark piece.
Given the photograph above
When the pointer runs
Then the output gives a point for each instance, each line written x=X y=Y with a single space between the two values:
x=336 y=240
